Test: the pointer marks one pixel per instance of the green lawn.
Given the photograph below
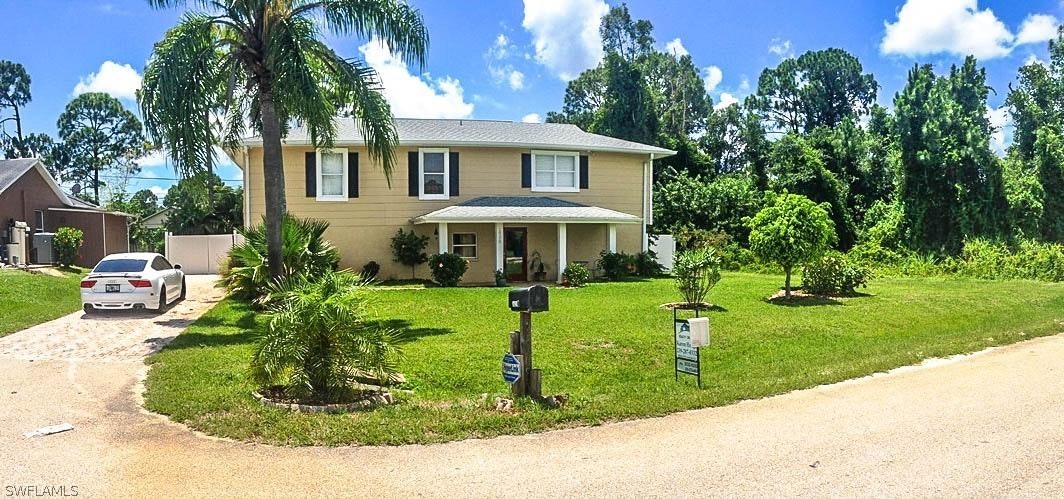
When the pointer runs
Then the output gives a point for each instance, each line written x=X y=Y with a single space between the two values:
x=609 y=346
x=28 y=299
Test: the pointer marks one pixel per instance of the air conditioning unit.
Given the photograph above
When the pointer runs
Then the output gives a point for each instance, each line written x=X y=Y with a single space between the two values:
x=42 y=247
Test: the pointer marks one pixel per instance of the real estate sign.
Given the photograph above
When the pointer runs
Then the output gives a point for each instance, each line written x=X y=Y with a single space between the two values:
x=686 y=354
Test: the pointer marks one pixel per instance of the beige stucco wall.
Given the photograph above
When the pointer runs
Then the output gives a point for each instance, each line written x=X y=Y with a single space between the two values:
x=362 y=227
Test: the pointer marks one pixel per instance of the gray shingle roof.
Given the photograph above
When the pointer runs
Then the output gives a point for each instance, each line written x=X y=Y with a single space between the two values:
x=12 y=170
x=527 y=209
x=482 y=133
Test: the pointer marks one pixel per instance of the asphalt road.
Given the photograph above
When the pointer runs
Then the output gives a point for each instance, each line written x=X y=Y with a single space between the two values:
x=991 y=424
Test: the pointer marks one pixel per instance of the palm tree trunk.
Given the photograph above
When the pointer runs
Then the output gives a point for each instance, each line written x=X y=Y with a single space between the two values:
x=273 y=171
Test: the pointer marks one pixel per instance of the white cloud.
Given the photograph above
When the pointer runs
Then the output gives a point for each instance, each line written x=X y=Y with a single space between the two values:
x=565 y=34
x=118 y=80
x=676 y=48
x=1037 y=28
x=781 y=48
x=959 y=27
x=532 y=118
x=744 y=85
x=413 y=96
x=1033 y=59
x=1001 y=122
x=159 y=191
x=712 y=76
x=726 y=99
x=517 y=80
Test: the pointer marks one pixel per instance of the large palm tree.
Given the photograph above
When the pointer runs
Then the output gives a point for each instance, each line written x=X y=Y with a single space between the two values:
x=262 y=63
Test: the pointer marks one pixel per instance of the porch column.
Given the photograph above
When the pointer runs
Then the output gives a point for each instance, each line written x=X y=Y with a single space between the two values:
x=563 y=260
x=613 y=238
x=441 y=230
x=499 y=263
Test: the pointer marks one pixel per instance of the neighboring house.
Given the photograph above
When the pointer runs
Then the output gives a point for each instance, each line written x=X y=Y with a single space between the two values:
x=29 y=194
x=156 y=220
x=501 y=194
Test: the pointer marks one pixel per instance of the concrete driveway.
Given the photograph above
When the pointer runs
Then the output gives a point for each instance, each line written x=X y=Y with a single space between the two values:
x=988 y=425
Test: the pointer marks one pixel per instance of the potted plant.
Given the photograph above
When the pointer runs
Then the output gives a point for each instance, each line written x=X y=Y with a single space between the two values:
x=539 y=273
x=500 y=278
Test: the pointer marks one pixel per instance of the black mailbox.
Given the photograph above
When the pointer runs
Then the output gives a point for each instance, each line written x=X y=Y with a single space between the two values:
x=530 y=299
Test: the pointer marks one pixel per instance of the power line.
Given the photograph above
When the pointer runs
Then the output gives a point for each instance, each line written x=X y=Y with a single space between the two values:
x=159 y=178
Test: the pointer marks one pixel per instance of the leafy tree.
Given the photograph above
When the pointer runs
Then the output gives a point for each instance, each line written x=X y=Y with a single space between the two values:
x=819 y=88
x=724 y=142
x=141 y=205
x=951 y=184
x=584 y=97
x=721 y=205
x=678 y=92
x=263 y=62
x=1038 y=98
x=203 y=204
x=318 y=339
x=624 y=36
x=1049 y=161
x=99 y=134
x=689 y=158
x=1024 y=194
x=627 y=112
x=66 y=244
x=797 y=167
x=408 y=248
x=14 y=93
x=790 y=231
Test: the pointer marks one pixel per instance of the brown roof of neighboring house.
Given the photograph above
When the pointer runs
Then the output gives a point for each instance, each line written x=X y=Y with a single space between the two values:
x=13 y=169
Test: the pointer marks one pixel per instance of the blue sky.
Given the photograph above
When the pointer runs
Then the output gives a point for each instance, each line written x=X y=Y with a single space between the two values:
x=511 y=59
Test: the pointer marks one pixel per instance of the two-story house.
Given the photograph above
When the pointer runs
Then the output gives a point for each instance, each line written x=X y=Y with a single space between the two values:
x=526 y=198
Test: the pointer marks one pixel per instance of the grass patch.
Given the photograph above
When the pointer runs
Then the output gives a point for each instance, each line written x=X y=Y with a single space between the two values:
x=29 y=299
x=608 y=345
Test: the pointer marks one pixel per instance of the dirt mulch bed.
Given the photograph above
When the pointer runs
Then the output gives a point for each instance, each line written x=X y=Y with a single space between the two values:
x=365 y=397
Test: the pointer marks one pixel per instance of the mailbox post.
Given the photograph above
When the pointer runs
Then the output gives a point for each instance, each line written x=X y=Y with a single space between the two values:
x=526 y=301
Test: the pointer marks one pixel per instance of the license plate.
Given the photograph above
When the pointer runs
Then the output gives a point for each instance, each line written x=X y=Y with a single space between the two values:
x=112 y=288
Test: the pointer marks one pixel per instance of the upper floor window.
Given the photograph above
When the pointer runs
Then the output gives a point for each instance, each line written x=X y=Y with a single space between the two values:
x=332 y=175
x=555 y=171
x=434 y=173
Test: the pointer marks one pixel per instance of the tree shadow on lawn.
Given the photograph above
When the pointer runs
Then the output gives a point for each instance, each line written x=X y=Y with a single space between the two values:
x=801 y=299
x=408 y=332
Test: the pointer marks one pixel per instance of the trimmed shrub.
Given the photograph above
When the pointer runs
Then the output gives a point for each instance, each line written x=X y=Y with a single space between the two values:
x=791 y=231
x=646 y=264
x=66 y=244
x=370 y=271
x=304 y=252
x=447 y=269
x=408 y=248
x=318 y=341
x=833 y=274
x=614 y=265
x=576 y=275
x=697 y=271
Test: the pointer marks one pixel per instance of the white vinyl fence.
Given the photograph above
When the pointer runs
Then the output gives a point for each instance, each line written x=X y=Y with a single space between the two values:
x=664 y=248
x=200 y=254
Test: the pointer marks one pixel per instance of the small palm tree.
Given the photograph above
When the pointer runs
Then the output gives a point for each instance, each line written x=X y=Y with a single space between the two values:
x=317 y=341
x=261 y=63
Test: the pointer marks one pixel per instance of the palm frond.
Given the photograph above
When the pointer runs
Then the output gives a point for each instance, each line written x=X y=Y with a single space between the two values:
x=395 y=23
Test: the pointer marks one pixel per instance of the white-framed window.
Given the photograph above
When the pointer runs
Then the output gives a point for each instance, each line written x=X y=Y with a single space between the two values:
x=555 y=171
x=332 y=175
x=434 y=169
x=464 y=244
x=39 y=215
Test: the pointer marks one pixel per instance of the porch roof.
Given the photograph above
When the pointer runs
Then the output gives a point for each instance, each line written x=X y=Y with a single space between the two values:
x=523 y=209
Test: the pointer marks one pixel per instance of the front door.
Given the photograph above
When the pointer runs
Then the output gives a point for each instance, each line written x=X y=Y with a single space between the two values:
x=515 y=251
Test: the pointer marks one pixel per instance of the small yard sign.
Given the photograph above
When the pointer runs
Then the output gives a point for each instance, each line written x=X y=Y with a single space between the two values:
x=687 y=356
x=511 y=368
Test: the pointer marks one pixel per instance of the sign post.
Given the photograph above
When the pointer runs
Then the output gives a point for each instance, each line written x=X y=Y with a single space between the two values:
x=688 y=336
x=517 y=365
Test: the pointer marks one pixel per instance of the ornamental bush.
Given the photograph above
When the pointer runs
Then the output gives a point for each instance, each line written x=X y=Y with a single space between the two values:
x=790 y=231
x=576 y=275
x=697 y=271
x=408 y=248
x=614 y=265
x=66 y=244
x=447 y=269
x=833 y=274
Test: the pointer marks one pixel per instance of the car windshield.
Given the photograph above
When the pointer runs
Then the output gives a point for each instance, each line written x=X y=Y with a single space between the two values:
x=121 y=265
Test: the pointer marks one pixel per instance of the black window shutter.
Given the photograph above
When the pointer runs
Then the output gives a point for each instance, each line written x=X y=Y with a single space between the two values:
x=526 y=170
x=583 y=172
x=312 y=174
x=352 y=175
x=411 y=174
x=454 y=173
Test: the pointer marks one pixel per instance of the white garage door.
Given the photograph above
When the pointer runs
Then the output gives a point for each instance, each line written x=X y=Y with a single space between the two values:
x=200 y=254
